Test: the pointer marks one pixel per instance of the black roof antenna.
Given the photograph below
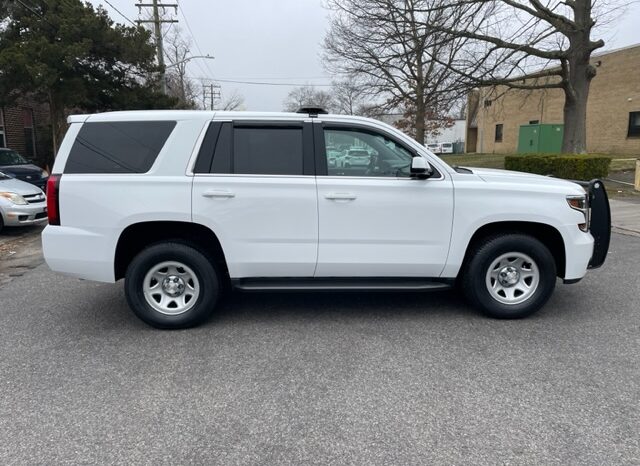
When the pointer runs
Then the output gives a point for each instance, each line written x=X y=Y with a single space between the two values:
x=312 y=111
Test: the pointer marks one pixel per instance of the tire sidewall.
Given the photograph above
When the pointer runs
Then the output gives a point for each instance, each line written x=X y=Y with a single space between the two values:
x=503 y=245
x=201 y=265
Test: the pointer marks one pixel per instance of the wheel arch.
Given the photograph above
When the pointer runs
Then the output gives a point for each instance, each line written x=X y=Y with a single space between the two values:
x=135 y=237
x=545 y=233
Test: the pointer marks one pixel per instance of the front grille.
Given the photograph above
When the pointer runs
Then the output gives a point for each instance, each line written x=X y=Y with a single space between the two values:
x=34 y=198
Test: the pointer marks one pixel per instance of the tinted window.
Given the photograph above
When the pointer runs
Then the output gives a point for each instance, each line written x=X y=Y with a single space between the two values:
x=222 y=154
x=118 y=147
x=263 y=151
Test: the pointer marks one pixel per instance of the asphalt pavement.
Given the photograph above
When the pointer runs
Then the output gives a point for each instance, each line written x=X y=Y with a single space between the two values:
x=398 y=378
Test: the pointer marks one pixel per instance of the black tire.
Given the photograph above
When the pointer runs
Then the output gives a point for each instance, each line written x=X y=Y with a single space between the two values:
x=207 y=281
x=474 y=279
x=1 y=223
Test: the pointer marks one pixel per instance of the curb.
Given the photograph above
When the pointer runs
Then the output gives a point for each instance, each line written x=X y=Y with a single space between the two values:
x=625 y=231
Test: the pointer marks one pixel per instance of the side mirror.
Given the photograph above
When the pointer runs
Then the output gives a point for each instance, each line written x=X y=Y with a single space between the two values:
x=420 y=168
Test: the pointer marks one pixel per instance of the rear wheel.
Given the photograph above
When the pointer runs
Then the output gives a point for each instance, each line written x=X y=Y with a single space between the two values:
x=172 y=285
x=510 y=276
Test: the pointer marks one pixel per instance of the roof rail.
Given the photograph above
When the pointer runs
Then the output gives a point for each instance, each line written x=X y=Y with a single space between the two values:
x=313 y=111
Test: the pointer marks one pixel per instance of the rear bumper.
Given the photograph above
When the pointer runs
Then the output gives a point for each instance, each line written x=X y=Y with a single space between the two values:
x=79 y=253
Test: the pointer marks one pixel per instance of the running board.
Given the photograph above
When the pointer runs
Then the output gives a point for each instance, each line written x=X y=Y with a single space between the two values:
x=341 y=284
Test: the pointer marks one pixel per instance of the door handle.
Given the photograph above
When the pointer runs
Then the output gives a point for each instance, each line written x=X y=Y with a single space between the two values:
x=218 y=193
x=340 y=196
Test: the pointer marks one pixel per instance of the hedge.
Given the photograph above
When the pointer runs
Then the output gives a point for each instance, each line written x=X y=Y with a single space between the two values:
x=571 y=167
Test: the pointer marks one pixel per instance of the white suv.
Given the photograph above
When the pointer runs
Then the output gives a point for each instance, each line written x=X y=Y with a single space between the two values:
x=184 y=204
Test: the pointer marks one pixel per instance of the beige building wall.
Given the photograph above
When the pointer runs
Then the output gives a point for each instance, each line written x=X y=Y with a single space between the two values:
x=614 y=93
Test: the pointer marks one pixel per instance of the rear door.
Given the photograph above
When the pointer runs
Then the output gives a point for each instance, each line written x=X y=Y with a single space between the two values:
x=254 y=186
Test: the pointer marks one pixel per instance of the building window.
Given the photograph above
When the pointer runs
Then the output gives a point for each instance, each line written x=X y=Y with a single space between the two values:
x=534 y=122
x=499 y=132
x=29 y=134
x=634 y=124
x=3 y=139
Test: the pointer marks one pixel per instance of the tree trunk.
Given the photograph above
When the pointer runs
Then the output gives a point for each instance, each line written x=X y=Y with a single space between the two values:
x=578 y=73
x=56 y=114
x=576 y=91
x=420 y=115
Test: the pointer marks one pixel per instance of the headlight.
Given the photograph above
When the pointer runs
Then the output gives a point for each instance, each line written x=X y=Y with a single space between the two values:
x=44 y=173
x=13 y=197
x=581 y=204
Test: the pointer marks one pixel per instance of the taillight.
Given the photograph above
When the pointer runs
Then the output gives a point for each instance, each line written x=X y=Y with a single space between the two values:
x=53 y=199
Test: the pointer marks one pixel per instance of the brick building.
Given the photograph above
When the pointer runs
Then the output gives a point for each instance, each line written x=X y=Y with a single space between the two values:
x=25 y=128
x=613 y=111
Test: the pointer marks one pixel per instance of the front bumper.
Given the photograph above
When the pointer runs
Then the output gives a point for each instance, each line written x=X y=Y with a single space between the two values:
x=21 y=215
x=599 y=221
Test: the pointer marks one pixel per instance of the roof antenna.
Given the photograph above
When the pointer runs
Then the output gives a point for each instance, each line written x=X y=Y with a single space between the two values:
x=313 y=111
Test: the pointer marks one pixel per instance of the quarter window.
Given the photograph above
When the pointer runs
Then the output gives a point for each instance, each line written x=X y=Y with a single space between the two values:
x=362 y=153
x=634 y=124
x=118 y=147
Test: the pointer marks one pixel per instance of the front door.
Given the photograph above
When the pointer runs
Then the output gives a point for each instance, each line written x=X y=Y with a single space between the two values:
x=375 y=220
x=254 y=187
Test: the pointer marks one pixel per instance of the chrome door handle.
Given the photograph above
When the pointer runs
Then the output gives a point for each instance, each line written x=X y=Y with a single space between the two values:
x=340 y=196
x=218 y=193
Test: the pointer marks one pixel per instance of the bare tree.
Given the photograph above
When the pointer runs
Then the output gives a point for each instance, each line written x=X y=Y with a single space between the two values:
x=527 y=44
x=308 y=96
x=234 y=102
x=350 y=97
x=179 y=85
x=403 y=63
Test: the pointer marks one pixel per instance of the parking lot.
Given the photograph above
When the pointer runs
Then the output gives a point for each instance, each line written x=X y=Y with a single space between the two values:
x=320 y=378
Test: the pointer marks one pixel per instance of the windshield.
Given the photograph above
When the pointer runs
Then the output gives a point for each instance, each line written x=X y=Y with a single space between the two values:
x=9 y=157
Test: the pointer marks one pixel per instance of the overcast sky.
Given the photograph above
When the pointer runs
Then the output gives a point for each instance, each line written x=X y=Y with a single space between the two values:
x=278 y=41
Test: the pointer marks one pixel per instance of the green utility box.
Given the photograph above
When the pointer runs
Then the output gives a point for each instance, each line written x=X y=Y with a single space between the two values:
x=540 y=138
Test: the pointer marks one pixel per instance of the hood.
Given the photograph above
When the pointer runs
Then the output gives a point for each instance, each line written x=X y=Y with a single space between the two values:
x=22 y=171
x=492 y=175
x=19 y=187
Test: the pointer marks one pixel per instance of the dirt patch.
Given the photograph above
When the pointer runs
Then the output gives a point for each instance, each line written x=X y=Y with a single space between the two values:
x=20 y=251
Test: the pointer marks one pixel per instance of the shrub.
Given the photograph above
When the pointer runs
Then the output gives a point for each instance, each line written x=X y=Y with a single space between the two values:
x=572 y=167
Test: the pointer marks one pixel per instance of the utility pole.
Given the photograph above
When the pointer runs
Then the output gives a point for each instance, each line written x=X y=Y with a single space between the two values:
x=210 y=92
x=157 y=22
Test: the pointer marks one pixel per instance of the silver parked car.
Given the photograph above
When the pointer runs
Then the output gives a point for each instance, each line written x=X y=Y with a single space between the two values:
x=21 y=203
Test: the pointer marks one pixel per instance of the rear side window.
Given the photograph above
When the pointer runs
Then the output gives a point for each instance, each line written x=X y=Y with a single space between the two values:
x=118 y=147
x=266 y=151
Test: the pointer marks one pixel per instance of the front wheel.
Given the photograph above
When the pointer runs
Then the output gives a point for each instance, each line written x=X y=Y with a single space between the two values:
x=510 y=276
x=172 y=285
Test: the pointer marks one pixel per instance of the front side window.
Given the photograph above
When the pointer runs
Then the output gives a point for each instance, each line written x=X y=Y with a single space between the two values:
x=634 y=124
x=499 y=128
x=118 y=147
x=363 y=153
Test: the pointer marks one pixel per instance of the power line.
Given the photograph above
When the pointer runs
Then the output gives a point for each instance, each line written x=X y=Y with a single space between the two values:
x=264 y=83
x=120 y=13
x=39 y=15
x=195 y=41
